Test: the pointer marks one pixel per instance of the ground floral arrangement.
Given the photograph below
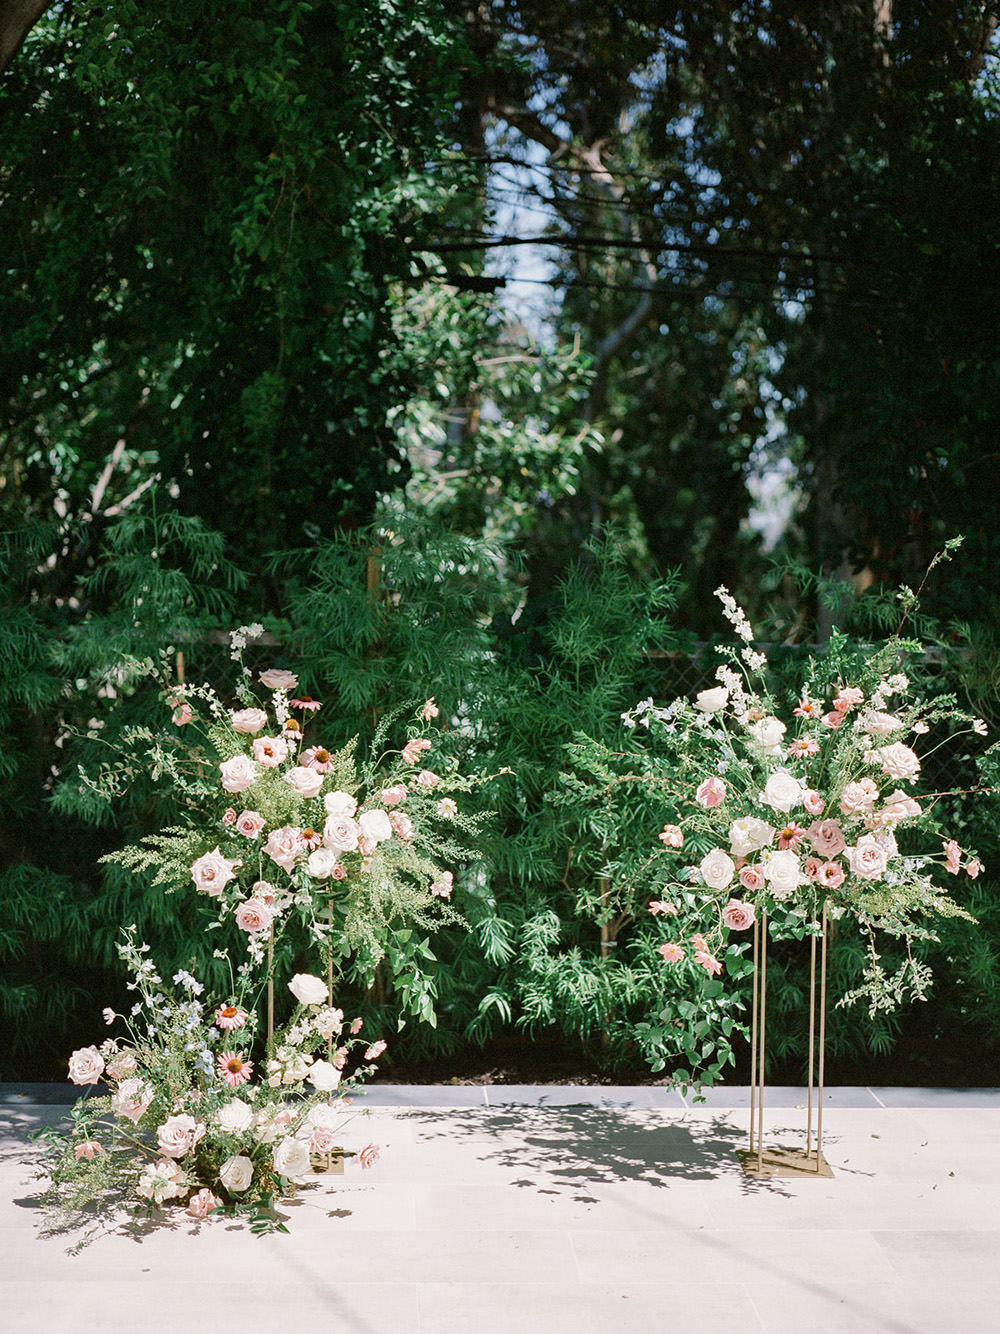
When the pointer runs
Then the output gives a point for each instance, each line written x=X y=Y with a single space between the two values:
x=785 y=810
x=211 y=1108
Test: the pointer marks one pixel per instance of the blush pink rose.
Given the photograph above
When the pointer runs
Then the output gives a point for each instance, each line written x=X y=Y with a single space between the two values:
x=953 y=856
x=672 y=953
x=338 y=873
x=304 y=780
x=341 y=833
x=229 y=816
x=238 y=774
x=131 y=1099
x=827 y=838
x=86 y=1065
x=899 y=761
x=201 y=1204
x=253 y=916
x=212 y=872
x=848 y=697
x=974 y=867
x=813 y=802
x=899 y=805
x=248 y=721
x=868 y=859
x=858 y=797
x=738 y=916
x=178 y=1135
x=752 y=878
x=284 y=846
x=323 y=1139
x=366 y=846
x=276 y=678
x=711 y=792
x=832 y=720
x=369 y=1155
x=249 y=823
x=270 y=751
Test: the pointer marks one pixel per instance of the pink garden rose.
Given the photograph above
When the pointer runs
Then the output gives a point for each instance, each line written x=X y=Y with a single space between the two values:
x=899 y=761
x=322 y=863
x=229 y=816
x=811 y=866
x=132 y=1098
x=86 y=1065
x=369 y=1155
x=868 y=859
x=672 y=836
x=276 y=678
x=832 y=720
x=899 y=805
x=711 y=792
x=323 y=1139
x=253 y=916
x=270 y=751
x=201 y=1204
x=249 y=823
x=212 y=872
x=339 y=872
x=238 y=774
x=953 y=856
x=880 y=724
x=752 y=878
x=738 y=916
x=848 y=697
x=672 y=953
x=858 y=797
x=248 y=721
x=392 y=796
x=178 y=1135
x=827 y=838
x=304 y=780
x=813 y=802
x=284 y=846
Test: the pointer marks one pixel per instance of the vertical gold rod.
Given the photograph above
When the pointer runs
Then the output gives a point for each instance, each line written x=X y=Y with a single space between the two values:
x=329 y=993
x=270 y=990
x=822 y=1042
x=761 y=1044
x=812 y=1040
x=753 y=1030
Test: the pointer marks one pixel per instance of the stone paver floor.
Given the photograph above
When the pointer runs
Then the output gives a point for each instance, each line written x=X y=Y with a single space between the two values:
x=563 y=1211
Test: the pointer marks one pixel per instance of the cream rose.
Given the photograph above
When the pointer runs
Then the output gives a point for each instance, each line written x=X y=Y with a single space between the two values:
x=324 y=1076
x=291 y=1159
x=718 y=869
x=131 y=1099
x=238 y=774
x=768 y=733
x=340 y=803
x=375 y=825
x=86 y=1065
x=307 y=989
x=341 y=833
x=253 y=916
x=212 y=872
x=322 y=863
x=749 y=835
x=305 y=781
x=900 y=806
x=781 y=791
x=236 y=1174
x=248 y=721
x=276 y=678
x=234 y=1117
x=899 y=761
x=178 y=1135
x=783 y=873
x=879 y=724
x=284 y=846
x=711 y=701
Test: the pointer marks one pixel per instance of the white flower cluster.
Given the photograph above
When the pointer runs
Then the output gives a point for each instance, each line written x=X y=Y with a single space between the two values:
x=238 y=639
x=735 y=615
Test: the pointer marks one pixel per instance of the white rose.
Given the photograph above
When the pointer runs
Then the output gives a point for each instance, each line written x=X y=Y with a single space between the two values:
x=782 y=873
x=718 y=868
x=341 y=833
x=324 y=1076
x=238 y=774
x=161 y=1181
x=236 y=1174
x=340 y=803
x=306 y=782
x=749 y=835
x=307 y=989
x=711 y=701
x=768 y=733
x=899 y=761
x=321 y=863
x=375 y=825
x=330 y=1118
x=291 y=1159
x=235 y=1117
x=900 y=806
x=781 y=791
x=879 y=724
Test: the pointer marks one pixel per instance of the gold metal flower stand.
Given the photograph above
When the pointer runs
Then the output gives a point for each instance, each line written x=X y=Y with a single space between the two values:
x=775 y=1161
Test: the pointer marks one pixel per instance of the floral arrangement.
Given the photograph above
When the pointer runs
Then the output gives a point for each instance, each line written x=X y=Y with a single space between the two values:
x=191 y=1120
x=292 y=848
x=788 y=812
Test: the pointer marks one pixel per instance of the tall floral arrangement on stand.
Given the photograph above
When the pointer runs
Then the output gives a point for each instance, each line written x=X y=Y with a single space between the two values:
x=293 y=850
x=784 y=808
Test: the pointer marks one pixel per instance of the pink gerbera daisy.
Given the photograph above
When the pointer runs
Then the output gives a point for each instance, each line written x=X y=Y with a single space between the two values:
x=230 y=1016
x=234 y=1069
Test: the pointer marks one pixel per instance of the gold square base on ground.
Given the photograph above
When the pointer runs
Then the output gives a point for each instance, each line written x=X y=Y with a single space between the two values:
x=332 y=1162
x=783 y=1163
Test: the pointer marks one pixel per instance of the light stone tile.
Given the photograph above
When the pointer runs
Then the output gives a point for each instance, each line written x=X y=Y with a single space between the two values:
x=705 y=1255
x=956 y=1256
x=861 y=1307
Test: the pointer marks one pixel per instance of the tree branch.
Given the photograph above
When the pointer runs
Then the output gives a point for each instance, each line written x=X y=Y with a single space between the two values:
x=17 y=18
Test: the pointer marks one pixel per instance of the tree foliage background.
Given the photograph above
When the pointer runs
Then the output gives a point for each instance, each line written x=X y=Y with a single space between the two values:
x=259 y=316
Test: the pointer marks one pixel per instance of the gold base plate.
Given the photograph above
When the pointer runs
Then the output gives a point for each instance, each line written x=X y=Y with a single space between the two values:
x=332 y=1162
x=783 y=1163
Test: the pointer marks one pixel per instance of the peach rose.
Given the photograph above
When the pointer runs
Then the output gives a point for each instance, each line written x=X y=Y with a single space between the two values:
x=276 y=678
x=248 y=721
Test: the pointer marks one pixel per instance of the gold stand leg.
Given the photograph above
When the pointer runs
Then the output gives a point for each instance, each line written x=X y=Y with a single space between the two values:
x=781 y=1162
